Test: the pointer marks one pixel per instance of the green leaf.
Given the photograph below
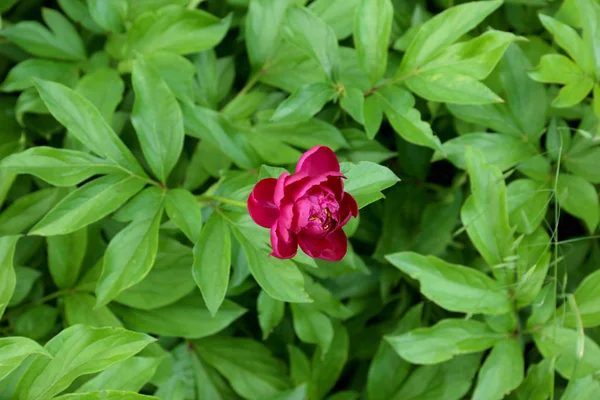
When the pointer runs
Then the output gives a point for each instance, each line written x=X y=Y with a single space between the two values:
x=172 y=29
x=582 y=389
x=104 y=88
x=366 y=178
x=502 y=151
x=533 y=260
x=556 y=68
x=352 y=101
x=106 y=395
x=584 y=163
x=7 y=272
x=327 y=367
x=441 y=342
x=475 y=58
x=338 y=14
x=312 y=326
x=578 y=197
x=524 y=113
x=388 y=370
x=131 y=253
x=60 y=42
x=183 y=209
x=306 y=68
x=372 y=112
x=21 y=76
x=167 y=282
x=14 y=350
x=544 y=307
x=77 y=351
x=372 y=28
x=85 y=122
x=577 y=356
x=443 y=30
x=212 y=126
x=36 y=322
x=567 y=38
x=80 y=308
x=527 y=204
x=59 y=167
x=587 y=299
x=304 y=102
x=450 y=380
x=538 y=384
x=157 y=119
x=304 y=135
x=314 y=37
x=485 y=213
x=177 y=72
x=137 y=8
x=248 y=365
x=448 y=87
x=214 y=78
x=207 y=386
x=25 y=279
x=263 y=23
x=440 y=281
x=406 y=120
x=270 y=313
x=65 y=256
x=109 y=14
x=573 y=93
x=299 y=365
x=589 y=12
x=28 y=210
x=188 y=318
x=502 y=371
x=78 y=12
x=212 y=261
x=89 y=203
x=131 y=374
x=298 y=393
x=281 y=279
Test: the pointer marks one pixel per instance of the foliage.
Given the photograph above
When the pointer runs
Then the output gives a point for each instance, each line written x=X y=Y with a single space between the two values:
x=132 y=133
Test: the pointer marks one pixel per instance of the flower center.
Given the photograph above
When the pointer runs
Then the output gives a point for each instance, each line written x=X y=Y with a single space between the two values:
x=316 y=214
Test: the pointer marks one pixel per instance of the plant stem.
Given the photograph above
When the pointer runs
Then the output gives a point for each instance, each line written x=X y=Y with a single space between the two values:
x=224 y=200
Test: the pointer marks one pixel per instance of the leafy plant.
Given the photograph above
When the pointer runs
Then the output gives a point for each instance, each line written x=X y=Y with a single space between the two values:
x=132 y=134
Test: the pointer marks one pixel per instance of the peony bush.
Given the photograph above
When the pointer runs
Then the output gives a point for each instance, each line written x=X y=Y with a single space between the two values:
x=299 y=199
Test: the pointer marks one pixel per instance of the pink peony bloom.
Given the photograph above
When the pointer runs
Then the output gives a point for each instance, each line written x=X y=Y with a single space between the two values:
x=308 y=208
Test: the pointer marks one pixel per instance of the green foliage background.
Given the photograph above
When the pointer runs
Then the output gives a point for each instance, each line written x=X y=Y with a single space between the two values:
x=132 y=132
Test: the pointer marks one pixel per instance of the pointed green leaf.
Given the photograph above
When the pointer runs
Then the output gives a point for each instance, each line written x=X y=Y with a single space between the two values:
x=502 y=371
x=85 y=122
x=212 y=261
x=188 y=318
x=77 y=351
x=7 y=272
x=59 y=167
x=183 y=209
x=440 y=281
x=87 y=204
x=131 y=253
x=441 y=342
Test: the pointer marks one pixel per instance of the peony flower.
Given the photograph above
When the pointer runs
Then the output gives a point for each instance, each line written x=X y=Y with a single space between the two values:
x=308 y=208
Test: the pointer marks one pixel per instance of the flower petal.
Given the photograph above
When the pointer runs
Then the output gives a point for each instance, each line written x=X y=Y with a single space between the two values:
x=261 y=206
x=348 y=208
x=332 y=247
x=318 y=161
x=279 y=188
x=282 y=248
